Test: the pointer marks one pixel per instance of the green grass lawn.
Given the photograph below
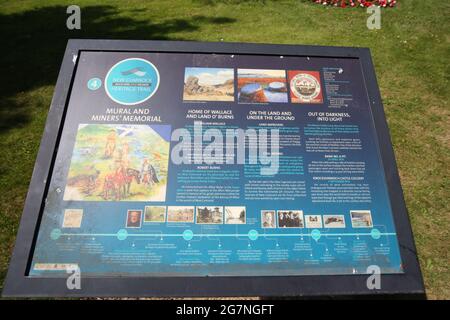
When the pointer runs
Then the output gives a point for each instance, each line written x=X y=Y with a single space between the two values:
x=411 y=53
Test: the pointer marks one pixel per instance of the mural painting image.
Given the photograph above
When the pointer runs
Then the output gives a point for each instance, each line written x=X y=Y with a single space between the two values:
x=118 y=163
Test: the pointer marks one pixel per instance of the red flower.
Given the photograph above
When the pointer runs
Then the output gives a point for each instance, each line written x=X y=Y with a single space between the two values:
x=362 y=3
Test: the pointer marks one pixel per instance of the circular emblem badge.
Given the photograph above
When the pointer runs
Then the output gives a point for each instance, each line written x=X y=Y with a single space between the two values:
x=305 y=87
x=94 y=84
x=132 y=81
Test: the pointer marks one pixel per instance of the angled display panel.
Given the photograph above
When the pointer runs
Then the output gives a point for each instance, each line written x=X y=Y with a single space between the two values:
x=196 y=169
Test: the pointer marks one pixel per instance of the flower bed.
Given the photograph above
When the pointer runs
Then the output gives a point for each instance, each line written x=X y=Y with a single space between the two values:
x=356 y=3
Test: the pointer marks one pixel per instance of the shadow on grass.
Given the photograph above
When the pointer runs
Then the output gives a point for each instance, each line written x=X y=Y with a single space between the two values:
x=33 y=44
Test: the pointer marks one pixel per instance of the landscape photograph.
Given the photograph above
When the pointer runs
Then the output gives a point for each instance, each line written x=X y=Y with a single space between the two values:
x=208 y=84
x=334 y=221
x=180 y=214
x=155 y=214
x=262 y=86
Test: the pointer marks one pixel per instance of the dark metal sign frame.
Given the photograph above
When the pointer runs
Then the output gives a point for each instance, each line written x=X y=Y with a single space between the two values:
x=19 y=284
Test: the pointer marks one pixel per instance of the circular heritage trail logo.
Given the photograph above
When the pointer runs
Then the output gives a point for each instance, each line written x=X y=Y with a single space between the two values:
x=305 y=87
x=132 y=81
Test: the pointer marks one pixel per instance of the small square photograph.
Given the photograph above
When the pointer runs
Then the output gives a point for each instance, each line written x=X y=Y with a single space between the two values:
x=155 y=214
x=305 y=86
x=72 y=218
x=234 y=215
x=290 y=219
x=134 y=218
x=180 y=214
x=334 y=221
x=268 y=219
x=313 y=221
x=210 y=215
x=262 y=86
x=361 y=218
x=208 y=84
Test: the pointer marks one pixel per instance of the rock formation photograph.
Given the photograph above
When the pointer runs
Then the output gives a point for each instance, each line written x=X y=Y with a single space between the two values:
x=208 y=84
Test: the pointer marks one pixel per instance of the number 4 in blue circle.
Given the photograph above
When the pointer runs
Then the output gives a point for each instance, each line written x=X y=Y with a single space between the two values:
x=94 y=84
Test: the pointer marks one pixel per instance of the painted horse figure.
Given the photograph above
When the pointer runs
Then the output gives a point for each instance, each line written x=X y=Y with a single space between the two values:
x=119 y=182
